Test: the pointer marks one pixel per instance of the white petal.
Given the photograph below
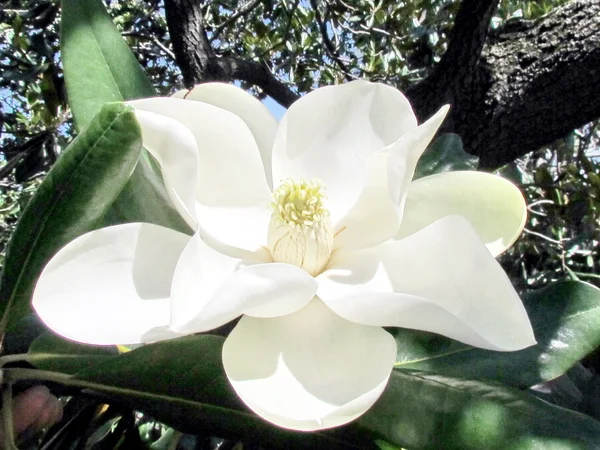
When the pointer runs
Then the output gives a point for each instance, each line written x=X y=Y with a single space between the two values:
x=376 y=216
x=494 y=206
x=441 y=279
x=174 y=147
x=111 y=286
x=243 y=228
x=405 y=153
x=233 y=194
x=257 y=116
x=329 y=134
x=309 y=370
x=211 y=288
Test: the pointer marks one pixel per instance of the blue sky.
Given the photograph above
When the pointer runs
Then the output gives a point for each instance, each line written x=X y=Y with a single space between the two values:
x=276 y=109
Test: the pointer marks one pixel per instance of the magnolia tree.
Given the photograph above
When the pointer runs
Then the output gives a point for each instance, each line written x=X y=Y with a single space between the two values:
x=327 y=279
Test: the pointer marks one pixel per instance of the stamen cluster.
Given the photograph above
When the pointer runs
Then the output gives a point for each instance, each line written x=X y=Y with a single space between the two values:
x=300 y=230
x=299 y=203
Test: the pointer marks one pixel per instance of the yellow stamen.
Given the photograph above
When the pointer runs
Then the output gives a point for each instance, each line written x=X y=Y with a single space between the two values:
x=300 y=229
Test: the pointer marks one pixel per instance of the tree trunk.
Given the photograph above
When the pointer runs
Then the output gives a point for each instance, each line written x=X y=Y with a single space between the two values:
x=192 y=50
x=532 y=84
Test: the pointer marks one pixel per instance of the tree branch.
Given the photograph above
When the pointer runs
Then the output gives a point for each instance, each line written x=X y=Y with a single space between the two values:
x=533 y=83
x=452 y=79
x=199 y=63
x=190 y=44
x=258 y=75
x=469 y=34
x=545 y=80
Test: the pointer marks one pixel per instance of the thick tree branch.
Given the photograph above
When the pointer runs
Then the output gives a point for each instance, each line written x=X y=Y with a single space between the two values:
x=544 y=83
x=257 y=74
x=532 y=84
x=199 y=63
x=452 y=79
x=193 y=52
x=468 y=35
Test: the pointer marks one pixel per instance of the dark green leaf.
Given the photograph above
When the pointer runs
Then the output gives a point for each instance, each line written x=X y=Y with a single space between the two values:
x=145 y=199
x=75 y=194
x=99 y=67
x=188 y=368
x=52 y=352
x=182 y=383
x=427 y=411
x=383 y=445
x=445 y=154
x=561 y=391
x=22 y=334
x=566 y=320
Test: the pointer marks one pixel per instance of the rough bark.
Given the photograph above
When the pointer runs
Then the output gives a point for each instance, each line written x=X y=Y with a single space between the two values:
x=545 y=82
x=198 y=62
x=532 y=84
x=190 y=43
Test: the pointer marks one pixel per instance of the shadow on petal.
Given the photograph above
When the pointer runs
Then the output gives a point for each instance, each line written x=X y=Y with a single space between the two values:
x=308 y=370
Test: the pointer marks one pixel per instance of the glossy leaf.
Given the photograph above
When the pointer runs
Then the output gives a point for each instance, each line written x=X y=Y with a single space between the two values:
x=182 y=383
x=428 y=411
x=52 y=352
x=445 y=154
x=18 y=339
x=73 y=197
x=145 y=199
x=566 y=320
x=99 y=67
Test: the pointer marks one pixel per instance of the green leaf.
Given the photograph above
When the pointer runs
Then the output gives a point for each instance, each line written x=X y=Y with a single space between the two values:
x=383 y=445
x=98 y=64
x=52 y=352
x=181 y=382
x=75 y=194
x=175 y=368
x=428 y=411
x=99 y=67
x=445 y=154
x=145 y=199
x=566 y=321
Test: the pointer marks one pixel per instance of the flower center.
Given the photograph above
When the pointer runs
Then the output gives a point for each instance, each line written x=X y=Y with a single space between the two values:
x=300 y=230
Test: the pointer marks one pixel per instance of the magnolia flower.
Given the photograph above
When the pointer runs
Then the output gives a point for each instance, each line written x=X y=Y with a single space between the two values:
x=311 y=231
